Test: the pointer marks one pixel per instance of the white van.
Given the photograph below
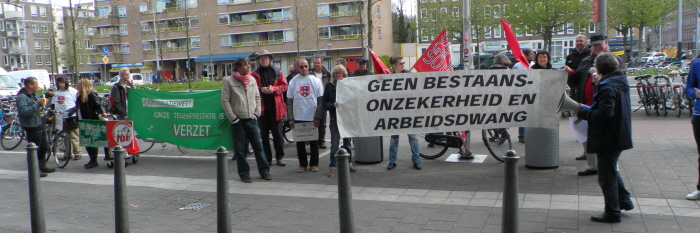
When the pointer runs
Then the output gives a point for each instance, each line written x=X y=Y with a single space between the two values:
x=8 y=86
x=41 y=75
x=135 y=79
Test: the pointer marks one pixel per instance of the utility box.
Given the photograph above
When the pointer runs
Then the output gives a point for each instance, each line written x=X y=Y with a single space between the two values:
x=368 y=149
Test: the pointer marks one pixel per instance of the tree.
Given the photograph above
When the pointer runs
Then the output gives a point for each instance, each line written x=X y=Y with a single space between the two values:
x=185 y=24
x=645 y=13
x=209 y=38
x=619 y=18
x=303 y=22
x=439 y=15
x=76 y=39
x=403 y=26
x=546 y=17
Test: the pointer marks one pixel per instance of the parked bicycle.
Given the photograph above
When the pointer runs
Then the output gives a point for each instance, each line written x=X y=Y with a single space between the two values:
x=434 y=145
x=59 y=140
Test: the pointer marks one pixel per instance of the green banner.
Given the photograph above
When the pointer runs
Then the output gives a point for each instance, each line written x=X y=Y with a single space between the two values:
x=93 y=133
x=193 y=120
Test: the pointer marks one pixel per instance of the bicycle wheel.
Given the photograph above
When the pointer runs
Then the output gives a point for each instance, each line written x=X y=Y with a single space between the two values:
x=497 y=141
x=144 y=146
x=428 y=150
x=678 y=101
x=643 y=99
x=11 y=136
x=183 y=149
x=61 y=149
x=287 y=132
x=665 y=101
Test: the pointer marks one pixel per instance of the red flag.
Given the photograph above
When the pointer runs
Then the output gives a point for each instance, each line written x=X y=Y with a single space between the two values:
x=514 y=44
x=437 y=57
x=379 y=67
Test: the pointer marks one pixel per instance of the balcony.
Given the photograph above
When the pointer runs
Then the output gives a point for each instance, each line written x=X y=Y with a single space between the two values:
x=18 y=50
x=14 y=14
x=345 y=37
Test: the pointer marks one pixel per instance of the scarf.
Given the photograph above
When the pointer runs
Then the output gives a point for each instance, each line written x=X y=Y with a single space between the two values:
x=245 y=79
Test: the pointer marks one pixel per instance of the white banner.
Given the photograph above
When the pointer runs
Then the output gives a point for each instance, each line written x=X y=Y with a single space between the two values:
x=409 y=103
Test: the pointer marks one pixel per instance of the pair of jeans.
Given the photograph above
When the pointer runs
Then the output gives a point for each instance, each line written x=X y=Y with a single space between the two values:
x=268 y=124
x=301 y=152
x=394 y=148
x=695 y=121
x=248 y=129
x=521 y=132
x=335 y=140
x=38 y=137
x=610 y=182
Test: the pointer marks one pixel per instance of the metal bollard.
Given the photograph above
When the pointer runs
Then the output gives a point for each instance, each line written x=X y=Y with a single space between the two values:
x=36 y=207
x=223 y=216
x=347 y=220
x=121 y=212
x=510 y=193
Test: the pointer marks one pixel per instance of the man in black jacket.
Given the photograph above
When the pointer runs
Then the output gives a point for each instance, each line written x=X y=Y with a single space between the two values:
x=579 y=53
x=609 y=133
x=362 y=68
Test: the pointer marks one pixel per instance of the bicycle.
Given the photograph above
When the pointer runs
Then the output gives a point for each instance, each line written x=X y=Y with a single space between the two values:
x=643 y=90
x=59 y=140
x=145 y=144
x=434 y=145
x=663 y=90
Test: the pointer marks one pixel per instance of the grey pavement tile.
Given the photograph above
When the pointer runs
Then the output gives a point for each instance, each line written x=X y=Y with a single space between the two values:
x=384 y=222
x=657 y=224
x=445 y=217
x=407 y=227
x=531 y=226
x=690 y=229
x=393 y=214
x=415 y=219
x=562 y=223
x=558 y=230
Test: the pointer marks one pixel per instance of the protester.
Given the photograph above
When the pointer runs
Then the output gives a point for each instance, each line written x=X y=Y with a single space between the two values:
x=89 y=109
x=65 y=99
x=272 y=84
x=692 y=86
x=530 y=56
x=344 y=63
x=304 y=99
x=582 y=91
x=580 y=52
x=500 y=61
x=610 y=132
x=119 y=93
x=329 y=103
x=241 y=102
x=320 y=72
x=31 y=119
x=542 y=61
x=362 y=68
x=397 y=64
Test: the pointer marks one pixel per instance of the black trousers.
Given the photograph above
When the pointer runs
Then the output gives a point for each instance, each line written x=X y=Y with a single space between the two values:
x=268 y=124
x=37 y=137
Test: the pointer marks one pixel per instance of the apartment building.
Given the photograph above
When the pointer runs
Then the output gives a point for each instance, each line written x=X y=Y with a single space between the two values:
x=25 y=33
x=207 y=36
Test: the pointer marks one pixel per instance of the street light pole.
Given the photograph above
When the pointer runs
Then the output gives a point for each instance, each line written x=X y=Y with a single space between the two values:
x=466 y=34
x=155 y=33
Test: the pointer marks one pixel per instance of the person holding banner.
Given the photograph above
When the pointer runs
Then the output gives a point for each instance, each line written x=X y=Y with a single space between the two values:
x=89 y=108
x=31 y=119
x=610 y=132
x=339 y=73
x=272 y=84
x=240 y=99
x=397 y=64
x=304 y=99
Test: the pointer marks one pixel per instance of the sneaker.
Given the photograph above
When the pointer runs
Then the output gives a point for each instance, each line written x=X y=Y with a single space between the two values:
x=281 y=163
x=353 y=169
x=331 y=173
x=695 y=195
x=77 y=157
x=301 y=169
x=247 y=179
x=314 y=168
x=267 y=177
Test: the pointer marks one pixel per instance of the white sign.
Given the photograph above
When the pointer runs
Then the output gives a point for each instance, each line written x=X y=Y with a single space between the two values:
x=430 y=102
x=304 y=131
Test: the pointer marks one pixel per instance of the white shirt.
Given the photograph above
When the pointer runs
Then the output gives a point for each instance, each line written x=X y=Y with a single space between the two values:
x=520 y=66
x=305 y=90
x=65 y=99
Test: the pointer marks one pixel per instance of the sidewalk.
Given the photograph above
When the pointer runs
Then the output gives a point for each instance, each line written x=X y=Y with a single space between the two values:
x=443 y=197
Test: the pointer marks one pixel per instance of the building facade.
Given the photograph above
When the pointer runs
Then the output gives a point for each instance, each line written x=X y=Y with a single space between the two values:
x=197 y=38
x=26 y=33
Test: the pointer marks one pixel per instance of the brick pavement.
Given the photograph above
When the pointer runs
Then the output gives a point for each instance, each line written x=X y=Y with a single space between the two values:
x=443 y=197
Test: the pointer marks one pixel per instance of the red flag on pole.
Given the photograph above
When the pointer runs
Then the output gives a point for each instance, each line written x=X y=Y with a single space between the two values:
x=437 y=57
x=379 y=67
x=514 y=44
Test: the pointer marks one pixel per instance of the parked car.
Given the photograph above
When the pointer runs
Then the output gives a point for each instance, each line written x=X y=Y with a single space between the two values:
x=41 y=75
x=8 y=86
x=135 y=78
x=653 y=57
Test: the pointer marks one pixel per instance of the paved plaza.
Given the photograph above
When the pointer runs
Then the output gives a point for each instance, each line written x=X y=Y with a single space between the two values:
x=443 y=197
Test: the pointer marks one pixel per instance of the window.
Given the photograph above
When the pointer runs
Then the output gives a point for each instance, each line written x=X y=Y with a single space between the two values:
x=497 y=32
x=38 y=59
x=122 y=11
x=47 y=60
x=194 y=22
x=143 y=8
x=455 y=11
x=379 y=11
x=42 y=11
x=4 y=43
x=37 y=43
x=47 y=45
x=221 y=2
x=195 y=42
x=569 y=28
x=379 y=31
x=223 y=20
x=123 y=30
x=323 y=10
x=35 y=27
x=6 y=60
x=44 y=27
x=88 y=45
x=2 y=25
x=225 y=40
x=33 y=10
x=125 y=49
